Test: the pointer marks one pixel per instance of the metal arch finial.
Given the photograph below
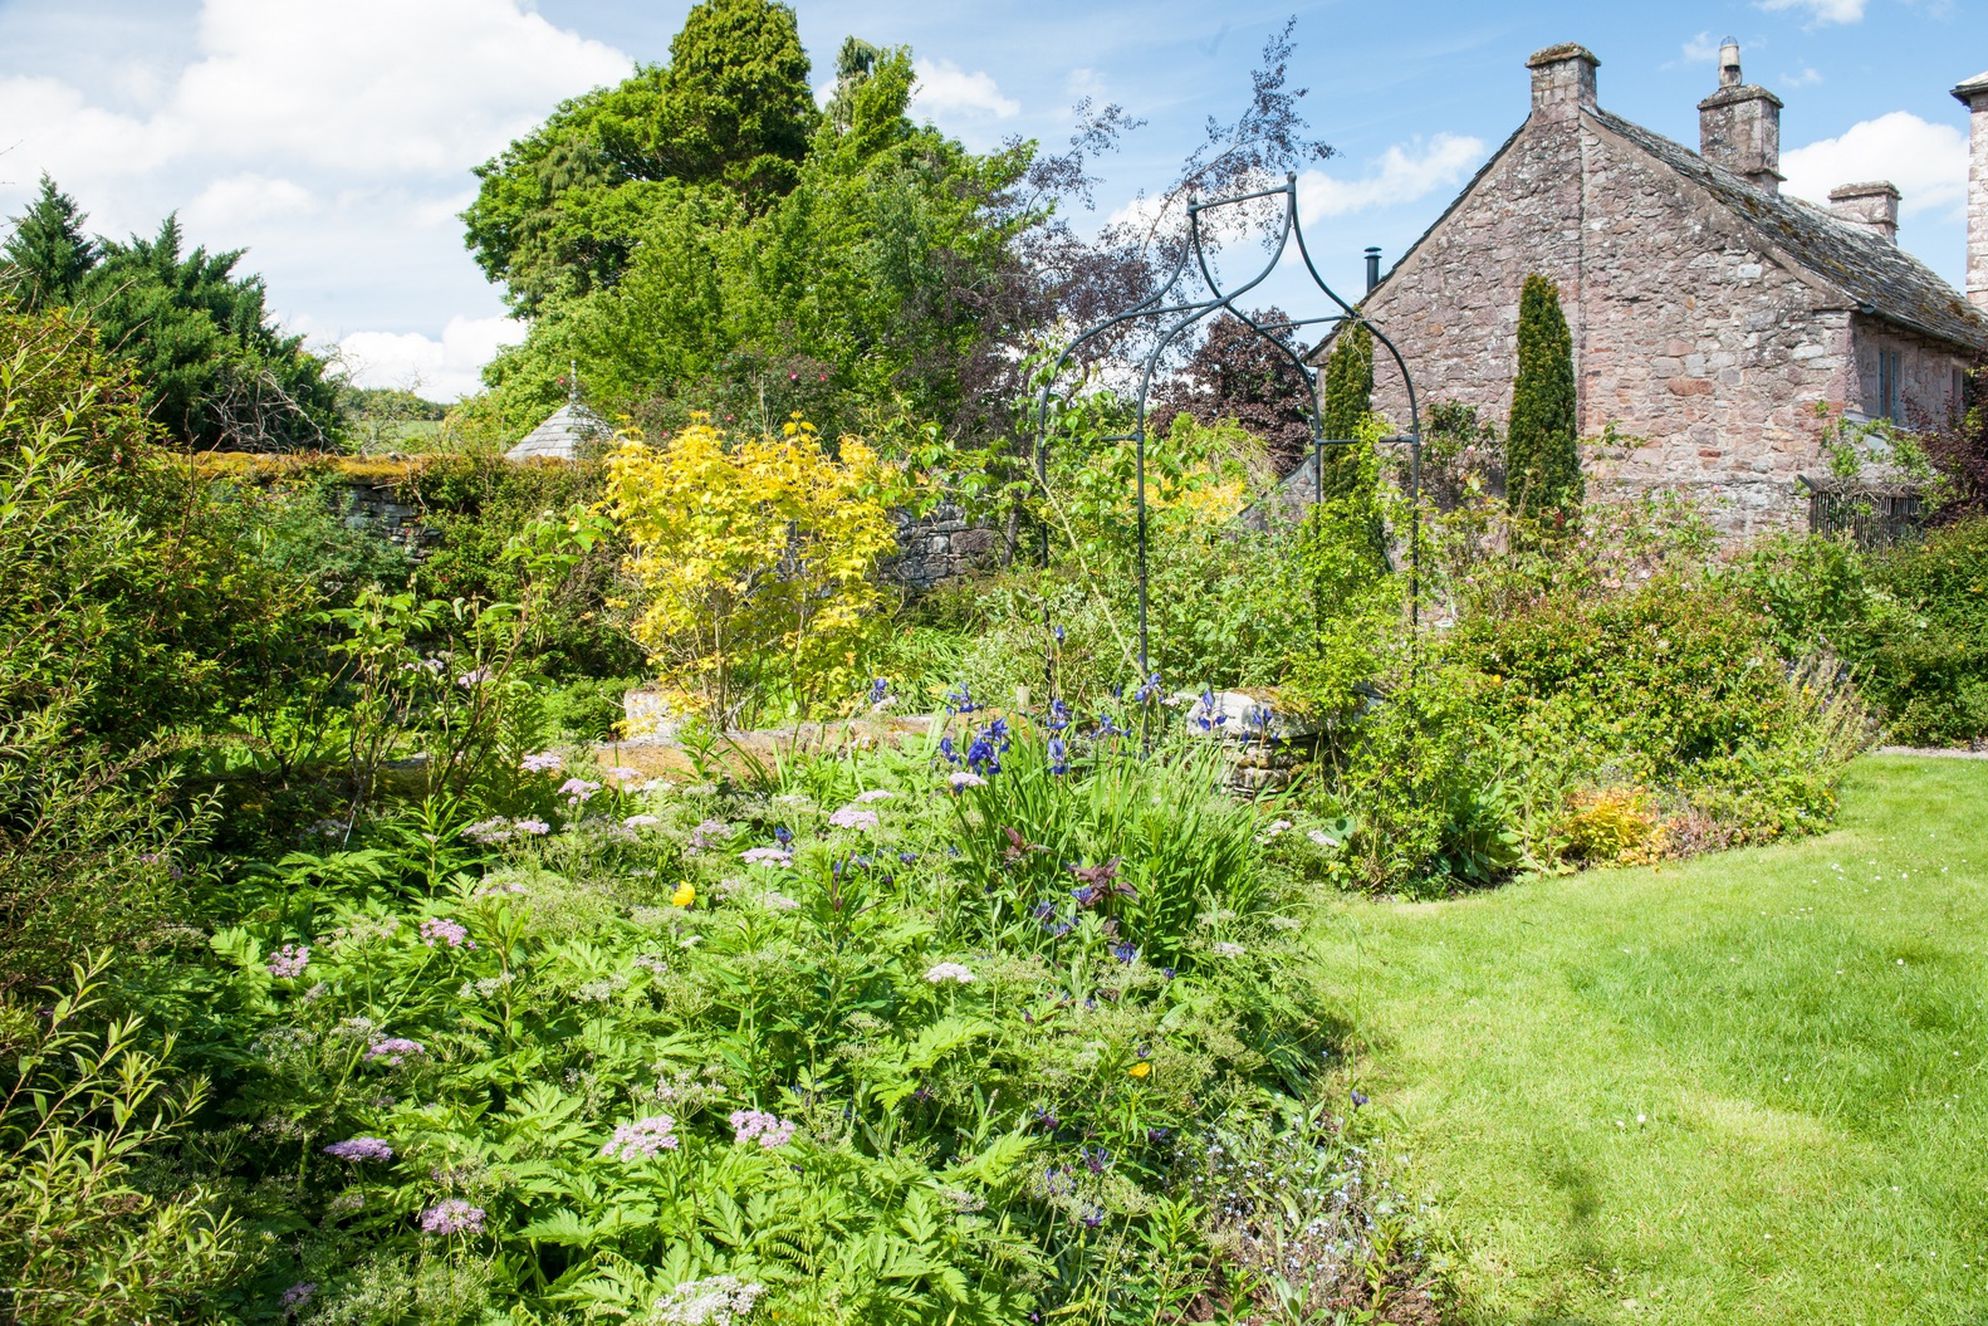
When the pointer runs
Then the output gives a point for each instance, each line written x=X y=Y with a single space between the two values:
x=1177 y=313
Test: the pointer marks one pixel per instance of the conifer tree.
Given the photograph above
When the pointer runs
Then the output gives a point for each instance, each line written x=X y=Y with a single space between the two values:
x=1542 y=464
x=1348 y=399
x=48 y=255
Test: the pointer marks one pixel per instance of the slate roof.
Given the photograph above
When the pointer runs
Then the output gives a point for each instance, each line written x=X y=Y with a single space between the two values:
x=566 y=432
x=1881 y=279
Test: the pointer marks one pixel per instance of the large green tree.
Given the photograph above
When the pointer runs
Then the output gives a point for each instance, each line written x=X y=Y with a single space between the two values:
x=560 y=211
x=848 y=296
x=47 y=255
x=216 y=372
x=1542 y=461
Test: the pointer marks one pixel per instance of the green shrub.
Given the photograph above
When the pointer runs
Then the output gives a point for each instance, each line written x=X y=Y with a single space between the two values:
x=1928 y=668
x=1542 y=462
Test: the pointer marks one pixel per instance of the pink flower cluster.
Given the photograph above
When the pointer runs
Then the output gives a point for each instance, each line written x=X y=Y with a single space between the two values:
x=288 y=963
x=545 y=761
x=757 y=1125
x=577 y=790
x=642 y=1139
x=439 y=928
x=394 y=1049
x=874 y=795
x=853 y=817
x=708 y=832
x=360 y=1148
x=767 y=856
x=453 y=1216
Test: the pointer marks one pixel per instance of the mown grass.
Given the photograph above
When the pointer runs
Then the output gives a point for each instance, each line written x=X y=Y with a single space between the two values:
x=1747 y=1088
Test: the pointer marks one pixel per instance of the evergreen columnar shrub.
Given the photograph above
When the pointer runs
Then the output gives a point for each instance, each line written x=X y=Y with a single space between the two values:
x=1542 y=462
x=1346 y=399
x=1927 y=665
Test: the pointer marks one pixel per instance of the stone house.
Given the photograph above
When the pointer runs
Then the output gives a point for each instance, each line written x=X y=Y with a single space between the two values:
x=1710 y=313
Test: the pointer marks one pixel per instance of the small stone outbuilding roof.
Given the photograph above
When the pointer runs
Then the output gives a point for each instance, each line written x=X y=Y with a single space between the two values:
x=1881 y=279
x=567 y=433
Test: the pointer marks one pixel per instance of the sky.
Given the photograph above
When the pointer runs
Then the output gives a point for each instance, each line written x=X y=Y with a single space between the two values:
x=335 y=142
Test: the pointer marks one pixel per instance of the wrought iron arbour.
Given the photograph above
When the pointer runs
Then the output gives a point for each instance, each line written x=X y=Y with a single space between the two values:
x=1175 y=312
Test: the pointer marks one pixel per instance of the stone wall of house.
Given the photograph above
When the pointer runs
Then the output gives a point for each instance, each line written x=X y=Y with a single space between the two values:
x=1686 y=335
x=1929 y=377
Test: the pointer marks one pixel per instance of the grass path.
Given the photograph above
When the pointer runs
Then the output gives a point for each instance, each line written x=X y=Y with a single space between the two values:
x=1748 y=1088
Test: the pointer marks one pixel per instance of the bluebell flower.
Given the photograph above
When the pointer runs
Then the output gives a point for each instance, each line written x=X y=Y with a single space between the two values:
x=946 y=749
x=1044 y=910
x=1059 y=757
x=1085 y=896
x=1060 y=929
x=907 y=858
x=1124 y=953
x=1359 y=1098
x=1108 y=728
x=783 y=835
x=879 y=690
x=998 y=731
x=960 y=700
x=1150 y=691
x=1167 y=972
x=1057 y=631
x=1059 y=715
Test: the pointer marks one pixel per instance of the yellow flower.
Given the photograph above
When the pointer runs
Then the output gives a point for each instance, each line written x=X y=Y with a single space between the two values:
x=1140 y=1069
x=684 y=895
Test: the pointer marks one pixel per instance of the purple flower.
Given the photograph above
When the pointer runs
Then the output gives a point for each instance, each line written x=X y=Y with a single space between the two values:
x=962 y=780
x=1208 y=713
x=853 y=817
x=1124 y=952
x=879 y=691
x=1057 y=632
x=287 y=963
x=452 y=933
x=1108 y=728
x=473 y=678
x=1059 y=715
x=297 y=1295
x=642 y=1139
x=766 y=856
x=394 y=1049
x=488 y=831
x=1150 y=691
x=537 y=828
x=452 y=1216
x=960 y=700
x=360 y=1148
x=1096 y=1159
x=1093 y=1217
x=545 y=761
x=708 y=832
x=946 y=749
x=577 y=790
x=1359 y=1098
x=757 y=1125
x=873 y=796
x=1059 y=757
x=907 y=858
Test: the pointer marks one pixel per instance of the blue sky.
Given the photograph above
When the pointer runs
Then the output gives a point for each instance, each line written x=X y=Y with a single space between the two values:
x=335 y=141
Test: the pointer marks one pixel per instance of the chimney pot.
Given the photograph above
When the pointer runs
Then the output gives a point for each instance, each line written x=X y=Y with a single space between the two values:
x=1973 y=94
x=1563 y=82
x=1873 y=207
x=1373 y=256
x=1739 y=126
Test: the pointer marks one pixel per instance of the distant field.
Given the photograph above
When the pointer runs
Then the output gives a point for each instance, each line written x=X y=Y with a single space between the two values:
x=1749 y=1088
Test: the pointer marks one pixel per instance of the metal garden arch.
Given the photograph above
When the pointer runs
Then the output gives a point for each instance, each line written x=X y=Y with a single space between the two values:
x=1174 y=309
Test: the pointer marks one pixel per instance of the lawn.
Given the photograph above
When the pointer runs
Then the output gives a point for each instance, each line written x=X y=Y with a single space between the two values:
x=1748 y=1088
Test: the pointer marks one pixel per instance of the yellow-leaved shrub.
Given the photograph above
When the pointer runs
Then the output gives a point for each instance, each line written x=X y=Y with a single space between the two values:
x=754 y=563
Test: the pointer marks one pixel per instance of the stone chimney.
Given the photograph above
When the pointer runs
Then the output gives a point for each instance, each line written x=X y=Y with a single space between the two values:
x=1739 y=126
x=1873 y=206
x=1563 y=82
x=1973 y=94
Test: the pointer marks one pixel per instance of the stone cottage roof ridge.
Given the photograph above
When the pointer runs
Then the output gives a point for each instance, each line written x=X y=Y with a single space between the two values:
x=1880 y=279
x=1870 y=272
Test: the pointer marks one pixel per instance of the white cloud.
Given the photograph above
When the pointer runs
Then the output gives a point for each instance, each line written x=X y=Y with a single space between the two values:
x=946 y=89
x=1820 y=11
x=1701 y=49
x=1928 y=162
x=1402 y=175
x=243 y=198
x=1808 y=77
x=437 y=369
x=333 y=141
